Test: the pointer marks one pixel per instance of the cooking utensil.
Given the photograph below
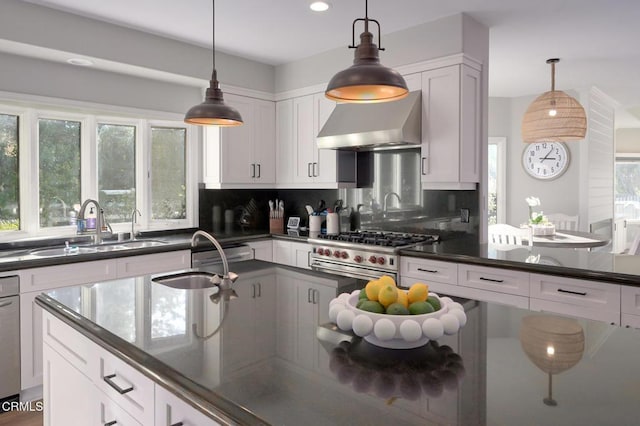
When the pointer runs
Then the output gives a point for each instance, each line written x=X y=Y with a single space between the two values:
x=309 y=209
x=321 y=206
x=337 y=206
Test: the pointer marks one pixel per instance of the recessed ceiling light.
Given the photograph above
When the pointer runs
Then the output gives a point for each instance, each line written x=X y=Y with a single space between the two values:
x=81 y=62
x=319 y=6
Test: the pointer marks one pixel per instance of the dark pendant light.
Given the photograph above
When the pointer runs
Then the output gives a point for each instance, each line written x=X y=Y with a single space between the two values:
x=213 y=111
x=554 y=116
x=366 y=81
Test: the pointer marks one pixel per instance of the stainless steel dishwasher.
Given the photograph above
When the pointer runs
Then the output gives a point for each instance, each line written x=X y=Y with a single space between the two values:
x=9 y=338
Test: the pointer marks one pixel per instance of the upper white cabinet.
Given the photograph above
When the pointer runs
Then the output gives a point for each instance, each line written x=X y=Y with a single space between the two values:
x=451 y=127
x=300 y=163
x=242 y=156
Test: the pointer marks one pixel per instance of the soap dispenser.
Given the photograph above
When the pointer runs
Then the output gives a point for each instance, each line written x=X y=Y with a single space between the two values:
x=91 y=219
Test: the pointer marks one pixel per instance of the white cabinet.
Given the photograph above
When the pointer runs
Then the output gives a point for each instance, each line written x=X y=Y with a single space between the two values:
x=244 y=154
x=262 y=250
x=300 y=163
x=582 y=298
x=249 y=332
x=171 y=410
x=630 y=307
x=496 y=285
x=134 y=266
x=428 y=270
x=291 y=253
x=451 y=127
x=34 y=281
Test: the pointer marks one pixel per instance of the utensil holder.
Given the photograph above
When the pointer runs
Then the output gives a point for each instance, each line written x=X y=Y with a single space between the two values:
x=276 y=225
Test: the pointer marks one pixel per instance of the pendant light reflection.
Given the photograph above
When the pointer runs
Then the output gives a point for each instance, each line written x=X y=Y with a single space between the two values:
x=554 y=116
x=213 y=111
x=366 y=81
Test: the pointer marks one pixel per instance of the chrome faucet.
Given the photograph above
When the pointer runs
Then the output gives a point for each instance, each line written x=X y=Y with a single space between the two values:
x=81 y=216
x=132 y=236
x=225 y=292
x=386 y=199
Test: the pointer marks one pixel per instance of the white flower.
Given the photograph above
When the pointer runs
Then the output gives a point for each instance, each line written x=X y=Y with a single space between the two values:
x=533 y=201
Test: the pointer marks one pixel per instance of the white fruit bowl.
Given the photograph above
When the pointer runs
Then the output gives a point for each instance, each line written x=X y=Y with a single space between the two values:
x=396 y=331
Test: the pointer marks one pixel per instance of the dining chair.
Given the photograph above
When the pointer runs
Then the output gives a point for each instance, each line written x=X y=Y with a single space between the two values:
x=635 y=246
x=502 y=233
x=563 y=221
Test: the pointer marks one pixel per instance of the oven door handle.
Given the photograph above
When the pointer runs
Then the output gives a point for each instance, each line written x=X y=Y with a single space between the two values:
x=351 y=272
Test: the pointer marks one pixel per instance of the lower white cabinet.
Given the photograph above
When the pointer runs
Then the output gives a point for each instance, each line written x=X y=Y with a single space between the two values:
x=36 y=280
x=429 y=270
x=630 y=307
x=291 y=253
x=171 y=410
x=84 y=384
x=570 y=296
x=262 y=250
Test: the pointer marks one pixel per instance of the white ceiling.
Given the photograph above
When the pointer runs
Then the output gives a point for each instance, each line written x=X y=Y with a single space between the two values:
x=597 y=40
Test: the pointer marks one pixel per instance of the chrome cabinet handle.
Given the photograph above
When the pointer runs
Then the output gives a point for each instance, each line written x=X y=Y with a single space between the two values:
x=316 y=296
x=578 y=293
x=253 y=291
x=315 y=174
x=111 y=423
x=118 y=389
x=258 y=170
x=253 y=170
x=259 y=285
x=309 y=296
x=309 y=169
x=422 y=168
x=491 y=280
x=5 y=303
x=178 y=424
x=428 y=270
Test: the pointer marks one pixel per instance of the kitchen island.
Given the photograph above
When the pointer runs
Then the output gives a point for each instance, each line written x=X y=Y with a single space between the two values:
x=276 y=361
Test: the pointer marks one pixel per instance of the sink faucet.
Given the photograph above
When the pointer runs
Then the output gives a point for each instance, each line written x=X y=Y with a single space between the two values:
x=386 y=199
x=133 y=222
x=225 y=292
x=81 y=216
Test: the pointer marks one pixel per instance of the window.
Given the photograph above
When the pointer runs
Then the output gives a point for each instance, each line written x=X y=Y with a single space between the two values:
x=168 y=173
x=59 y=164
x=496 y=185
x=627 y=195
x=117 y=171
x=51 y=161
x=9 y=201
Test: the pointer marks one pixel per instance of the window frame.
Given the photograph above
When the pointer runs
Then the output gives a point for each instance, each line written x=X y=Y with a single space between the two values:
x=501 y=178
x=28 y=163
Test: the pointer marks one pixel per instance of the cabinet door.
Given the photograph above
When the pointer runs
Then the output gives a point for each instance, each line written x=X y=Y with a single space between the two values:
x=286 y=317
x=470 y=124
x=441 y=125
x=301 y=253
x=107 y=412
x=236 y=146
x=283 y=253
x=313 y=310
x=62 y=407
x=264 y=145
x=262 y=250
x=285 y=142
x=265 y=319
x=171 y=410
x=324 y=168
x=238 y=332
x=134 y=266
x=305 y=139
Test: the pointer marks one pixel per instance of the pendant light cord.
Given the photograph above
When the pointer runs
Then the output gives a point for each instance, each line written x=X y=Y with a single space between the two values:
x=553 y=76
x=366 y=16
x=213 y=36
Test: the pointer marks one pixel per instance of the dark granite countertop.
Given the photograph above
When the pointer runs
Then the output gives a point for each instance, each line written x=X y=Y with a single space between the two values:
x=598 y=265
x=491 y=372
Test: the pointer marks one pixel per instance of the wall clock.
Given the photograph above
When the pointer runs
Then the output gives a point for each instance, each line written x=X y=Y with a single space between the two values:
x=545 y=160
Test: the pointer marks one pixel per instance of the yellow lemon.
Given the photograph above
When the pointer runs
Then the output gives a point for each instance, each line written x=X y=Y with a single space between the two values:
x=388 y=294
x=372 y=289
x=386 y=279
x=403 y=299
x=418 y=292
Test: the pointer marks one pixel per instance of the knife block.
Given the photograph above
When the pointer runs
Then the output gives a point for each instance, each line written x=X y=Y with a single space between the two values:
x=276 y=225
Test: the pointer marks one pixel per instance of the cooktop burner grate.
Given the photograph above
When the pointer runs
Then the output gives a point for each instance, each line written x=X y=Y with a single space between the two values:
x=379 y=238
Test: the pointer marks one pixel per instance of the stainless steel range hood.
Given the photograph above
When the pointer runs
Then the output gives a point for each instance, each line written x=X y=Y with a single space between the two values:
x=374 y=127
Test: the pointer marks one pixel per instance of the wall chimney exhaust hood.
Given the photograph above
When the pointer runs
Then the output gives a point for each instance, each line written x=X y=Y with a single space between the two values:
x=375 y=126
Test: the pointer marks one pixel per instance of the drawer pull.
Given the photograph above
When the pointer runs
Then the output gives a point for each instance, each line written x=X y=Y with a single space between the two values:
x=115 y=386
x=491 y=279
x=178 y=424
x=111 y=423
x=428 y=270
x=579 y=293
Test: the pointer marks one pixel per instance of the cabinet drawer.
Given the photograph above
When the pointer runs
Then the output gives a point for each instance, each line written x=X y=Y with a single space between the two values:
x=69 y=343
x=630 y=321
x=126 y=386
x=107 y=412
x=630 y=303
x=66 y=275
x=171 y=410
x=153 y=263
x=611 y=317
x=499 y=280
x=594 y=295
x=429 y=270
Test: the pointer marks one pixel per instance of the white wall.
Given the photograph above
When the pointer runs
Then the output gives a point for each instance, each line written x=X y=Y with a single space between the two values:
x=628 y=141
x=557 y=196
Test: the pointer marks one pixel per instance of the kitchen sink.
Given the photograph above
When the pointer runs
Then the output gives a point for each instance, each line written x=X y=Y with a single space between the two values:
x=187 y=280
x=62 y=251
x=124 y=245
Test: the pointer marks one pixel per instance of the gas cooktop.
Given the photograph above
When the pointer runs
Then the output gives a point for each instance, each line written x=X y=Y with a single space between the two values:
x=378 y=238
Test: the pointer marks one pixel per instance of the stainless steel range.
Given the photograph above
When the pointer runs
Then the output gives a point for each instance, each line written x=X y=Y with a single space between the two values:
x=364 y=254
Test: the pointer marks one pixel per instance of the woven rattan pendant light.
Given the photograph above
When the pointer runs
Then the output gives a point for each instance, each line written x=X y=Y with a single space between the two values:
x=554 y=116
